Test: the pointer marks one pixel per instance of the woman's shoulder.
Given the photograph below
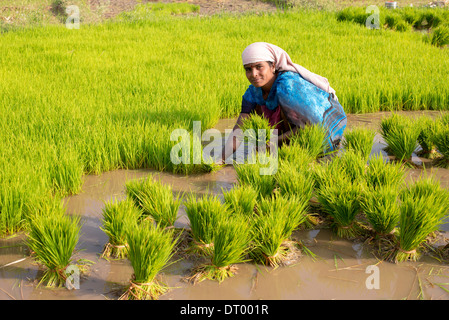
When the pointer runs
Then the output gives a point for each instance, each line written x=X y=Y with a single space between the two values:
x=285 y=77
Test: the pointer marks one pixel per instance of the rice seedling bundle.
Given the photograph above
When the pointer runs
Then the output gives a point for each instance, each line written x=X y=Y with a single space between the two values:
x=351 y=163
x=257 y=130
x=204 y=214
x=251 y=173
x=426 y=137
x=119 y=218
x=297 y=184
x=360 y=140
x=340 y=199
x=271 y=229
x=150 y=249
x=423 y=208
x=12 y=205
x=380 y=173
x=312 y=138
x=381 y=207
x=52 y=238
x=401 y=136
x=156 y=200
x=441 y=140
x=231 y=243
x=241 y=200
x=294 y=153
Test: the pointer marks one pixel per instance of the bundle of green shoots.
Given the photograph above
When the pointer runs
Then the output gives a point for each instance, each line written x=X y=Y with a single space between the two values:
x=231 y=242
x=441 y=141
x=311 y=138
x=381 y=208
x=350 y=163
x=360 y=140
x=257 y=130
x=401 y=135
x=204 y=214
x=339 y=197
x=241 y=199
x=119 y=218
x=381 y=173
x=257 y=175
x=426 y=137
x=52 y=238
x=272 y=227
x=156 y=200
x=295 y=179
x=423 y=208
x=150 y=249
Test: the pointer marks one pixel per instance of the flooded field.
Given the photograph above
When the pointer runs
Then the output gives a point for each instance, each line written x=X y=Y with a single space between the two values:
x=337 y=270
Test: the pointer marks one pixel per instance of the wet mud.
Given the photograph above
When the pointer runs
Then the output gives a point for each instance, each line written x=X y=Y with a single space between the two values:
x=336 y=270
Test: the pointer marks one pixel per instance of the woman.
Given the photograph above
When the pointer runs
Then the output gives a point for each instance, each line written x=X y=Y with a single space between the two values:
x=288 y=95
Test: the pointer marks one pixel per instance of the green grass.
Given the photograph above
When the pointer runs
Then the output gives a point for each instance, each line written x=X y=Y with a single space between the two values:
x=86 y=101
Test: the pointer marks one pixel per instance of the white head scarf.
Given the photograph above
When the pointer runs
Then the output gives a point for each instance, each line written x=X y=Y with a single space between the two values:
x=263 y=51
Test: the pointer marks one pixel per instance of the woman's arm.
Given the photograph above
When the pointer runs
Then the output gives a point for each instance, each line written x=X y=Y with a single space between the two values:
x=233 y=141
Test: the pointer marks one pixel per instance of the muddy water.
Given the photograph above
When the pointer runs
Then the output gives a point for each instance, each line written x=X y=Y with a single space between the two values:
x=337 y=271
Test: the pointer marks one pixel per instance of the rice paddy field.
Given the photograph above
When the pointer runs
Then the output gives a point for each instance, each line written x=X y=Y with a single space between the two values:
x=87 y=182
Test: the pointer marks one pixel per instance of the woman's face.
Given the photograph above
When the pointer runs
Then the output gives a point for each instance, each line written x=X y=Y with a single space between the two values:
x=260 y=74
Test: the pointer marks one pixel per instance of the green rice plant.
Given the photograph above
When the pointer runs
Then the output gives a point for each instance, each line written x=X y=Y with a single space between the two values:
x=441 y=141
x=440 y=36
x=12 y=203
x=297 y=184
x=231 y=243
x=381 y=207
x=204 y=214
x=423 y=208
x=340 y=199
x=119 y=218
x=359 y=139
x=241 y=199
x=401 y=138
x=351 y=163
x=380 y=173
x=271 y=229
x=313 y=138
x=426 y=137
x=257 y=130
x=156 y=200
x=52 y=238
x=295 y=154
x=252 y=173
x=427 y=19
x=150 y=249
x=388 y=123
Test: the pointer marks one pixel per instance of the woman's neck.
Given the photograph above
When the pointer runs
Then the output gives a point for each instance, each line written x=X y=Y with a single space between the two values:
x=267 y=87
